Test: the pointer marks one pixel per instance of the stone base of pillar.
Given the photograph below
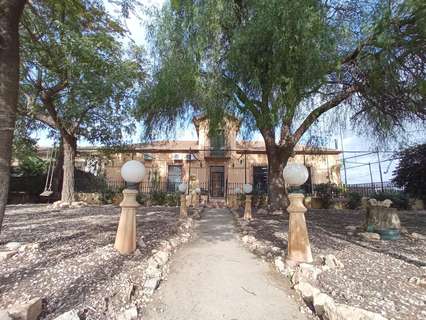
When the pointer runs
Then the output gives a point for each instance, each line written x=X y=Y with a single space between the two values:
x=183 y=208
x=247 y=208
x=125 y=240
x=299 y=248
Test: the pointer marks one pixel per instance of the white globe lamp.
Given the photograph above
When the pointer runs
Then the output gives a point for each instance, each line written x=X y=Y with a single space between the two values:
x=183 y=187
x=133 y=172
x=197 y=190
x=299 y=249
x=238 y=190
x=295 y=174
x=247 y=188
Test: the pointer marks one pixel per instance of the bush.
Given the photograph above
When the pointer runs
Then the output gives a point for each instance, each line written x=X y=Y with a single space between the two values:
x=173 y=199
x=259 y=200
x=399 y=200
x=326 y=192
x=158 y=198
x=354 y=200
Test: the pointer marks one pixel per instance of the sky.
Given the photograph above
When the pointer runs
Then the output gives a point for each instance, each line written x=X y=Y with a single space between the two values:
x=357 y=169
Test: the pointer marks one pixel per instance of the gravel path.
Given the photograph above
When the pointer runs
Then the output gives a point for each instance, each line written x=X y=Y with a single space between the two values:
x=214 y=277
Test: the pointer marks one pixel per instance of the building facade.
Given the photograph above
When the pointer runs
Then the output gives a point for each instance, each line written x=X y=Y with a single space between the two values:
x=216 y=164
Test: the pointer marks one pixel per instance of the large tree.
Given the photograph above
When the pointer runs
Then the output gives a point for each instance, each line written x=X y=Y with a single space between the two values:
x=76 y=77
x=10 y=14
x=279 y=65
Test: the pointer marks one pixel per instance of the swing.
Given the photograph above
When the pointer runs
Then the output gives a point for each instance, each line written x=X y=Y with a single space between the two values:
x=50 y=169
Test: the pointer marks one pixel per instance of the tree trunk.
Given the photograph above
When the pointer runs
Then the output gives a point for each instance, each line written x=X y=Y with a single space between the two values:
x=10 y=14
x=277 y=193
x=58 y=172
x=70 y=150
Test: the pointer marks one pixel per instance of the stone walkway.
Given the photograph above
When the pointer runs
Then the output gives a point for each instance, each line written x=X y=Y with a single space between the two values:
x=214 y=277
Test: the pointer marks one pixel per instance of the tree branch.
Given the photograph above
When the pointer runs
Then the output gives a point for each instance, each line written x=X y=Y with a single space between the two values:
x=315 y=114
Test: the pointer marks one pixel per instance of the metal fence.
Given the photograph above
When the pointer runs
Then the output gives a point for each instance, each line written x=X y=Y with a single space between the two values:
x=368 y=189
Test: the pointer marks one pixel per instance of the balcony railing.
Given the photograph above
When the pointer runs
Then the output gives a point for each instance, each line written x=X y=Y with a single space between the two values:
x=217 y=153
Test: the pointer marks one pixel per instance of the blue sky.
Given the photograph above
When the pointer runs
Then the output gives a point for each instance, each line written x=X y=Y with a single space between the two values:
x=351 y=142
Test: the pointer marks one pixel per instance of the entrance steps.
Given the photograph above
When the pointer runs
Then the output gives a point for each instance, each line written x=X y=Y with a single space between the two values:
x=216 y=203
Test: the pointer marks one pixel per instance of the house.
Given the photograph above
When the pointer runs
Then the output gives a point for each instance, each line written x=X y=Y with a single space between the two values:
x=217 y=165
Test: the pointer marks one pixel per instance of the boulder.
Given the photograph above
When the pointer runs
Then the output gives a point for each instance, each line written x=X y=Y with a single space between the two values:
x=128 y=314
x=320 y=300
x=161 y=257
x=332 y=262
x=306 y=290
x=381 y=217
x=345 y=312
x=262 y=211
x=279 y=264
x=4 y=315
x=150 y=285
x=248 y=239
x=4 y=255
x=70 y=315
x=351 y=228
x=369 y=236
x=310 y=272
x=12 y=246
x=26 y=311
x=418 y=281
x=418 y=236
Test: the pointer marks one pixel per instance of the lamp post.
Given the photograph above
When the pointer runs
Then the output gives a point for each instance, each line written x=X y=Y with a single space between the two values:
x=247 y=188
x=197 y=198
x=183 y=208
x=299 y=249
x=125 y=241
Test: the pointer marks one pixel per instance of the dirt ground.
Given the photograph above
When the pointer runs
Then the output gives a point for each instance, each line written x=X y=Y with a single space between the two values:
x=376 y=274
x=75 y=265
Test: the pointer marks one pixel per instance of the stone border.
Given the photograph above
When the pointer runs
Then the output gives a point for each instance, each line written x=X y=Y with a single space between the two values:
x=156 y=268
x=303 y=278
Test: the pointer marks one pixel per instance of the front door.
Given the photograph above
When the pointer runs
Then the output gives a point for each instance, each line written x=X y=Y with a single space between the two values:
x=217 y=181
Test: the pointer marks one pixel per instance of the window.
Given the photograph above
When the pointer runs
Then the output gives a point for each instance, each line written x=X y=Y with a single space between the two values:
x=217 y=144
x=174 y=177
x=260 y=179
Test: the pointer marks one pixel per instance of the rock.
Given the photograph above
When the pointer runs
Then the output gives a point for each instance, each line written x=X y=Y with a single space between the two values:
x=404 y=230
x=4 y=315
x=161 y=257
x=70 y=315
x=310 y=272
x=279 y=264
x=4 y=255
x=386 y=203
x=262 y=211
x=372 y=202
x=351 y=228
x=150 y=285
x=332 y=262
x=418 y=281
x=418 y=236
x=369 y=236
x=129 y=314
x=12 y=246
x=26 y=311
x=306 y=290
x=29 y=247
x=248 y=239
x=320 y=300
x=277 y=212
x=345 y=312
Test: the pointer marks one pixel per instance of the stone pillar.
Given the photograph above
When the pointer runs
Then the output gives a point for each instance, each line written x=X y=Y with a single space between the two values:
x=183 y=207
x=299 y=249
x=247 y=208
x=125 y=240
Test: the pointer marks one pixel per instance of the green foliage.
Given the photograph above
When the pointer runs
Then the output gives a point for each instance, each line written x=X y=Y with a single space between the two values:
x=76 y=77
x=400 y=200
x=32 y=166
x=326 y=192
x=411 y=171
x=173 y=199
x=273 y=62
x=260 y=200
x=353 y=200
x=158 y=198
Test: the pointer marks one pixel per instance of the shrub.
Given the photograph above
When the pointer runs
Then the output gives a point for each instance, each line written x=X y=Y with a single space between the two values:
x=158 y=198
x=326 y=192
x=173 y=199
x=259 y=200
x=410 y=173
x=354 y=200
x=399 y=200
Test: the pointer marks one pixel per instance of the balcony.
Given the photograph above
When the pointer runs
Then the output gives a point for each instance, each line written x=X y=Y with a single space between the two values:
x=217 y=153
